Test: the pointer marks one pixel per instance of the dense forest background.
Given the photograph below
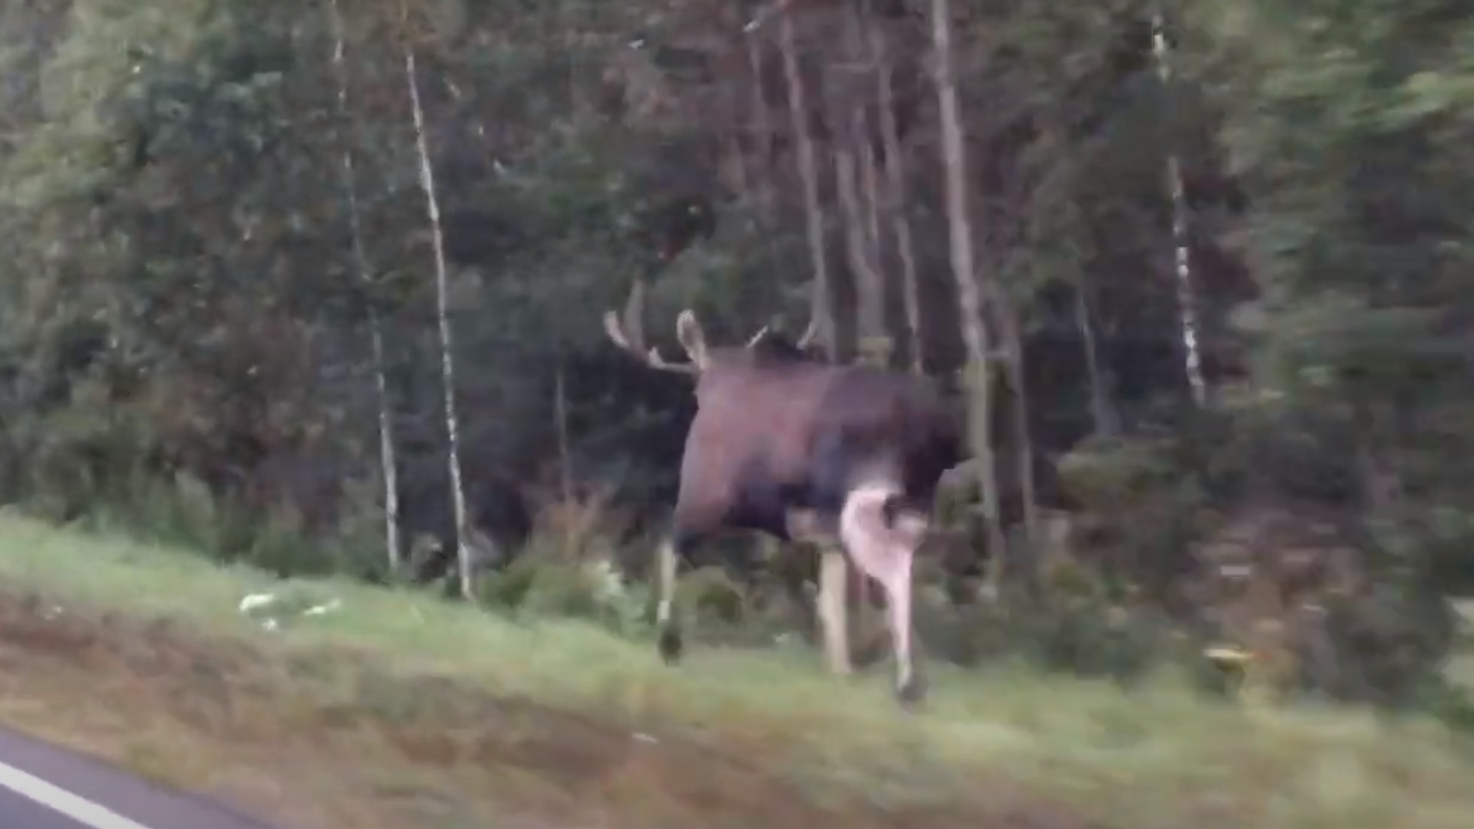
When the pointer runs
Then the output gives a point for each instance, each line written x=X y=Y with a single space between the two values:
x=1220 y=253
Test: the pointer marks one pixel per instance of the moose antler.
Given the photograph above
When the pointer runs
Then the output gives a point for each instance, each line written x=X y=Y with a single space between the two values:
x=804 y=340
x=629 y=333
x=810 y=332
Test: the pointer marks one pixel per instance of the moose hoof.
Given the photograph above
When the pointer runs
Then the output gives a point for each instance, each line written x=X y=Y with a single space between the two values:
x=670 y=647
x=911 y=692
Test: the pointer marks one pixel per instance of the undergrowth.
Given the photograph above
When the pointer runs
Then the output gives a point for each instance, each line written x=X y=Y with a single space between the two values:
x=1075 y=626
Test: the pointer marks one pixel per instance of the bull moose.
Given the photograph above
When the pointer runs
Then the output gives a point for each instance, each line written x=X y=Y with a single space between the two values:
x=805 y=450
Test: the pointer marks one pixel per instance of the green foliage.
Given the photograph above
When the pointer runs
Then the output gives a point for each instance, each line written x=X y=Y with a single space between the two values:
x=186 y=514
x=544 y=584
x=1072 y=629
x=1142 y=504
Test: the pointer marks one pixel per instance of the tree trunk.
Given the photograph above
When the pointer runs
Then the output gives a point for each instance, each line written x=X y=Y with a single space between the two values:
x=974 y=329
x=1187 y=306
x=884 y=348
x=895 y=195
x=442 y=315
x=730 y=114
x=875 y=340
x=388 y=464
x=763 y=123
x=869 y=288
x=1103 y=417
x=823 y=310
x=1022 y=439
x=565 y=460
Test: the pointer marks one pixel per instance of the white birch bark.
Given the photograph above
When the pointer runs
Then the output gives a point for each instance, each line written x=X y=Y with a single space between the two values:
x=964 y=269
x=823 y=310
x=388 y=465
x=442 y=315
x=1187 y=306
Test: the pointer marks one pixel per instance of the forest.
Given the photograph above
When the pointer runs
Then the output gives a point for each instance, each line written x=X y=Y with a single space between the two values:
x=321 y=287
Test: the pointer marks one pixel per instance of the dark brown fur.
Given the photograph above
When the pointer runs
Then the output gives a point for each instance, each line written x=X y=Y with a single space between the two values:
x=779 y=443
x=774 y=436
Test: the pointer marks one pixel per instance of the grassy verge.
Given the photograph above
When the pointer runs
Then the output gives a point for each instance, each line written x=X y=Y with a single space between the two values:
x=400 y=710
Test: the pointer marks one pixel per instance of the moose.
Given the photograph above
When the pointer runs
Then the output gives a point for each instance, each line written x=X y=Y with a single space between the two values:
x=803 y=450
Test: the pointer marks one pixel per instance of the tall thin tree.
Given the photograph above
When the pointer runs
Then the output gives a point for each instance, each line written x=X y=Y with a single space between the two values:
x=1187 y=305
x=762 y=123
x=1008 y=220
x=442 y=313
x=964 y=270
x=869 y=286
x=855 y=179
x=1102 y=414
x=388 y=464
x=894 y=198
x=808 y=173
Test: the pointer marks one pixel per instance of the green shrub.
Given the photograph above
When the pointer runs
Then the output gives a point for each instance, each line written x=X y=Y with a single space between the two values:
x=543 y=582
x=1080 y=638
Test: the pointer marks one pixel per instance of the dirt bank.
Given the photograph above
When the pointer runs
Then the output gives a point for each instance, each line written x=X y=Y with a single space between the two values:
x=328 y=739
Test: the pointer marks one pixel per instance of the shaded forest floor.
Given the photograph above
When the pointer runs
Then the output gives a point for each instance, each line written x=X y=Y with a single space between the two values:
x=402 y=711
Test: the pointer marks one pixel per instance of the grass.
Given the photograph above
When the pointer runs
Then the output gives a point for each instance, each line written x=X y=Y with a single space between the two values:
x=401 y=710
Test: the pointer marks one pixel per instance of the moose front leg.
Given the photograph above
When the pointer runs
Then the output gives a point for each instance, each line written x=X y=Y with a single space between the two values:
x=833 y=592
x=806 y=527
x=669 y=627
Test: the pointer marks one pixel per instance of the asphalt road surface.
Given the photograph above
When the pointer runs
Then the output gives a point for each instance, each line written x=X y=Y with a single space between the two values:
x=45 y=787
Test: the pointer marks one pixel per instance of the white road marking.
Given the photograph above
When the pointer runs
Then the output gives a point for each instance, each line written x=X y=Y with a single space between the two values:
x=60 y=800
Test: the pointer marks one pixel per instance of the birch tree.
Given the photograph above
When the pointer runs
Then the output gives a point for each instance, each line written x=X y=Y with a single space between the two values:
x=442 y=317
x=762 y=124
x=388 y=464
x=892 y=198
x=969 y=293
x=852 y=173
x=1187 y=305
x=1103 y=417
x=808 y=173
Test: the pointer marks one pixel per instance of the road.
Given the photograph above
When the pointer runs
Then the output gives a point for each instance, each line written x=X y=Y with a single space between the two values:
x=45 y=787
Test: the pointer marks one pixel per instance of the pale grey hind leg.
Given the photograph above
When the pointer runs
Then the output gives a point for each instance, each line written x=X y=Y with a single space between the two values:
x=665 y=617
x=883 y=546
x=910 y=685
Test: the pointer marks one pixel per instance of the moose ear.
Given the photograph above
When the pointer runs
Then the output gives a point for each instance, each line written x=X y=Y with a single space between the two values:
x=688 y=331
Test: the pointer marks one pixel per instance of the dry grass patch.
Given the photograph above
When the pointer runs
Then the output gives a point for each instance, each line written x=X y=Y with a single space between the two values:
x=425 y=713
